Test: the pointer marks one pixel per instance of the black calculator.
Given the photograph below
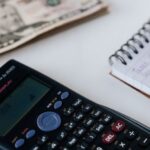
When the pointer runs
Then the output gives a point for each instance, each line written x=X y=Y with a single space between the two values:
x=38 y=113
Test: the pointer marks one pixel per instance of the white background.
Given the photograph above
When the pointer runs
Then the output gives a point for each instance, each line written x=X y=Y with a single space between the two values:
x=78 y=57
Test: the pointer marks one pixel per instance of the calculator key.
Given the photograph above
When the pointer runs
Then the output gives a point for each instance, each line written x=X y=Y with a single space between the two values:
x=35 y=147
x=99 y=148
x=77 y=103
x=122 y=145
x=58 y=105
x=144 y=142
x=61 y=135
x=96 y=113
x=64 y=95
x=135 y=146
x=70 y=125
x=131 y=134
x=82 y=146
x=109 y=137
x=52 y=145
x=90 y=137
x=48 y=121
x=79 y=131
x=78 y=116
x=98 y=127
x=118 y=126
x=87 y=108
x=42 y=139
x=19 y=143
x=88 y=122
x=30 y=134
x=71 y=141
x=106 y=119
x=64 y=148
x=68 y=111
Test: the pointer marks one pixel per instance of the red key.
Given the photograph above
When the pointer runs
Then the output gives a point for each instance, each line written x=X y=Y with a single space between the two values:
x=109 y=137
x=118 y=126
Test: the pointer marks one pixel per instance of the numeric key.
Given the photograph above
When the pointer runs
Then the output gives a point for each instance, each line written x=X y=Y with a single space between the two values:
x=71 y=141
x=106 y=119
x=87 y=108
x=88 y=122
x=79 y=131
x=82 y=146
x=70 y=125
x=77 y=103
x=78 y=116
x=35 y=147
x=68 y=111
x=61 y=135
x=131 y=134
x=118 y=126
x=52 y=145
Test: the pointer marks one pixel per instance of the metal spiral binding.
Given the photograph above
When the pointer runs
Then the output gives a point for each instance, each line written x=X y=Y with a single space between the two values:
x=142 y=34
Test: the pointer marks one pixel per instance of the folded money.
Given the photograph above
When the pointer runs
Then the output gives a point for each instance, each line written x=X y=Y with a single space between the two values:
x=23 y=20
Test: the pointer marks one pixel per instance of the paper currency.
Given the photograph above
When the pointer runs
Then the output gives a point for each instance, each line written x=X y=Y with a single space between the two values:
x=23 y=20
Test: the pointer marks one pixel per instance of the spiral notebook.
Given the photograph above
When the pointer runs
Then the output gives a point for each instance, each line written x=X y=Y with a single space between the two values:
x=131 y=63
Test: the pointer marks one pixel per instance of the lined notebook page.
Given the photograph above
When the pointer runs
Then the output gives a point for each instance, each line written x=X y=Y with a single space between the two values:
x=137 y=70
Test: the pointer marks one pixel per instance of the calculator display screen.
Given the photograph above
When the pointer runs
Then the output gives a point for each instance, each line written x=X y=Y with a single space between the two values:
x=20 y=102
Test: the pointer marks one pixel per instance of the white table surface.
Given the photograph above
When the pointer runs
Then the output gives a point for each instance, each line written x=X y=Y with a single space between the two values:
x=78 y=57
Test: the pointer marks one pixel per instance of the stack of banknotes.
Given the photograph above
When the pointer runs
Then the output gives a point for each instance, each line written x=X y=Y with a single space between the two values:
x=23 y=20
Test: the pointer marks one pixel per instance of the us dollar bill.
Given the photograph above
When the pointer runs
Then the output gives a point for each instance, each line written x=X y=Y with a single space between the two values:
x=23 y=20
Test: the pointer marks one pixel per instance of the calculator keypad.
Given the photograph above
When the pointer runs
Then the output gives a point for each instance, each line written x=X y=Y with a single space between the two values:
x=84 y=125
